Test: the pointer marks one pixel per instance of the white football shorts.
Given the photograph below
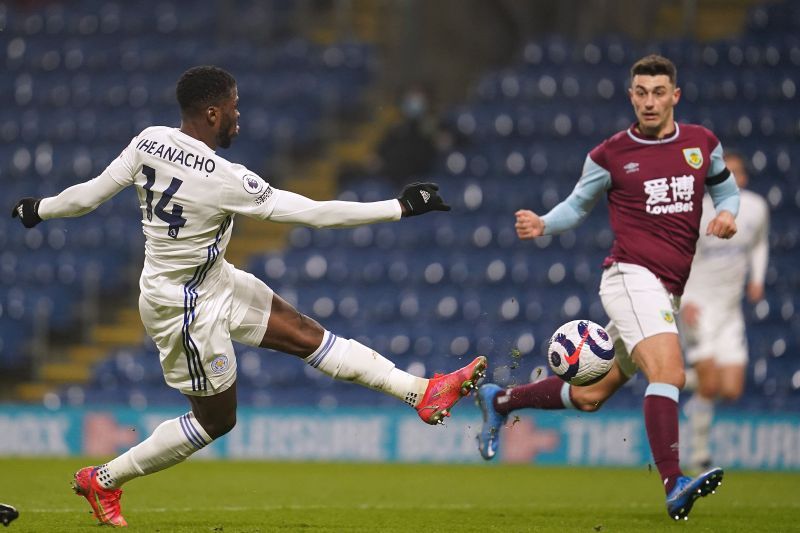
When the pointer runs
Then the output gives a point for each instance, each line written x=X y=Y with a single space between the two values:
x=195 y=340
x=638 y=306
x=719 y=335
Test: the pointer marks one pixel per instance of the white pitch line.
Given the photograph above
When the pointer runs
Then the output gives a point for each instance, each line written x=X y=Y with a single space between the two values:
x=363 y=506
x=233 y=508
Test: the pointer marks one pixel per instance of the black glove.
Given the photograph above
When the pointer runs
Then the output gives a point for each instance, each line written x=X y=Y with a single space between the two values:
x=27 y=210
x=418 y=198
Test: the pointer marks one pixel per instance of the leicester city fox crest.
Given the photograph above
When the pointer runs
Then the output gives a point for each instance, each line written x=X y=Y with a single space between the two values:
x=694 y=157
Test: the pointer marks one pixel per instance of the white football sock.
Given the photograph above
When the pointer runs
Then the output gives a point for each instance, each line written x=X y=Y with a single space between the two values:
x=691 y=380
x=349 y=360
x=171 y=443
x=701 y=414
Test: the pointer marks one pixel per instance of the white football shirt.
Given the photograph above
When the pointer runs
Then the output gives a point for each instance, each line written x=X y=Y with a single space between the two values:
x=720 y=266
x=189 y=195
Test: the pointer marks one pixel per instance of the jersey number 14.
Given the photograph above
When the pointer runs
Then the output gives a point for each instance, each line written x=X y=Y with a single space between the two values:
x=173 y=218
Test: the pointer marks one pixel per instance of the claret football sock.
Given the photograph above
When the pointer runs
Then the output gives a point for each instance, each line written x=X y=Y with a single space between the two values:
x=171 y=442
x=550 y=393
x=661 y=422
x=349 y=360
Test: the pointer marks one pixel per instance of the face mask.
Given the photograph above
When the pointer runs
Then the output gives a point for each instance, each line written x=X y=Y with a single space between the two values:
x=413 y=106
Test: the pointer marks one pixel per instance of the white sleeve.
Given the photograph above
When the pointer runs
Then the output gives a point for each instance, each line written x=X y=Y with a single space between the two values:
x=85 y=197
x=759 y=254
x=292 y=208
x=251 y=196
x=246 y=193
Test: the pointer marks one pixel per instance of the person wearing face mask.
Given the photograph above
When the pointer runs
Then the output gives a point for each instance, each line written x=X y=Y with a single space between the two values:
x=408 y=150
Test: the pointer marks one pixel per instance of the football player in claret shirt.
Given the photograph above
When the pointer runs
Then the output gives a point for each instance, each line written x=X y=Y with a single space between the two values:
x=193 y=303
x=654 y=175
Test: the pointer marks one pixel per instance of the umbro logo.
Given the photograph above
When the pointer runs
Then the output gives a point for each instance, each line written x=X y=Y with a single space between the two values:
x=631 y=167
x=425 y=196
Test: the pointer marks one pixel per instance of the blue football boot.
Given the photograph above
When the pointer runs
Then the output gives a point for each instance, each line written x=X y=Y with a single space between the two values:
x=688 y=489
x=489 y=437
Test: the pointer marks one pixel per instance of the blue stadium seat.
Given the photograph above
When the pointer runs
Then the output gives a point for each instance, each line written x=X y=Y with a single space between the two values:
x=430 y=290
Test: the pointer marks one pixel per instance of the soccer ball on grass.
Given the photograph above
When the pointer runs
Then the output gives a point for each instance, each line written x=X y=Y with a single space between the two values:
x=580 y=352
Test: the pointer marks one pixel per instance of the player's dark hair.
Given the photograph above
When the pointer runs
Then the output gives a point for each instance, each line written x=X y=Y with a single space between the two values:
x=732 y=152
x=200 y=87
x=654 y=65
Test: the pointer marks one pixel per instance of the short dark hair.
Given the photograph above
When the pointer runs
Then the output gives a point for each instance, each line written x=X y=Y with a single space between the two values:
x=732 y=153
x=653 y=65
x=203 y=86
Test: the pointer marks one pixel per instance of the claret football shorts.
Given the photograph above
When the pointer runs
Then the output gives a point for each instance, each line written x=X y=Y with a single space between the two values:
x=195 y=340
x=638 y=306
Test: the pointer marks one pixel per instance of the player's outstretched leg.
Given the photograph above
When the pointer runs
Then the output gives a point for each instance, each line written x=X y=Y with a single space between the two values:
x=688 y=489
x=443 y=391
x=104 y=502
x=349 y=360
x=489 y=437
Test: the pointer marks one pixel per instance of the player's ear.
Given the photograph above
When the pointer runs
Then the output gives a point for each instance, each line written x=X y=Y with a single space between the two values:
x=212 y=115
x=676 y=95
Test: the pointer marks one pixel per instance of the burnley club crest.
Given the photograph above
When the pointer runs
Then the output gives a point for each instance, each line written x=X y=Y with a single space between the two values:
x=694 y=157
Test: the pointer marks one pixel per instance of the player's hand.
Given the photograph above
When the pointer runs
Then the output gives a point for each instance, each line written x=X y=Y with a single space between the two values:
x=529 y=225
x=690 y=314
x=418 y=198
x=723 y=225
x=27 y=209
x=755 y=292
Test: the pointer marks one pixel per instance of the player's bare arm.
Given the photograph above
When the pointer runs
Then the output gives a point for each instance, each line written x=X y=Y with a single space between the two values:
x=723 y=225
x=755 y=292
x=529 y=225
x=690 y=314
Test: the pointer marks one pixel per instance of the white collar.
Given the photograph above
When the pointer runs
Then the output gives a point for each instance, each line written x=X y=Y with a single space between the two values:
x=642 y=140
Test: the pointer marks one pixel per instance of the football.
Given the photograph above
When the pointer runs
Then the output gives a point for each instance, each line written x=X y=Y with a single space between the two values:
x=580 y=352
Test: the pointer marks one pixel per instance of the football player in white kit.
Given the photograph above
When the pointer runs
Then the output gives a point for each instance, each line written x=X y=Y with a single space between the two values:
x=712 y=325
x=193 y=303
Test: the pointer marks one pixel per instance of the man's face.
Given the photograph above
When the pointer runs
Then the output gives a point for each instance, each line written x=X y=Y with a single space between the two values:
x=653 y=99
x=736 y=165
x=228 y=120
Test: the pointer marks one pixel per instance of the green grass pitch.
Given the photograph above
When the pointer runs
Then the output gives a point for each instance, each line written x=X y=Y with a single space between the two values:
x=227 y=497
